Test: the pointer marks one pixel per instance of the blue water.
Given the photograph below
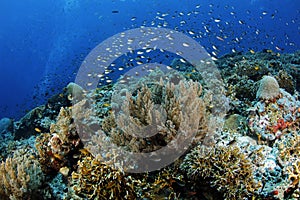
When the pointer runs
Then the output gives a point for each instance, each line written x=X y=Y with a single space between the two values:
x=42 y=43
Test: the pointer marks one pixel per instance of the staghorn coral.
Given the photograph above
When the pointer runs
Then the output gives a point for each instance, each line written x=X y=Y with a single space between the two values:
x=224 y=167
x=21 y=177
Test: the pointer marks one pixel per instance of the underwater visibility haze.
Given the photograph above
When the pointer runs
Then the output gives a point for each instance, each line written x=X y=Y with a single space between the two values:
x=44 y=43
x=148 y=99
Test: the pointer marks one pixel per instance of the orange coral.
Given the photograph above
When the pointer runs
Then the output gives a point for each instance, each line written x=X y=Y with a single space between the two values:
x=281 y=125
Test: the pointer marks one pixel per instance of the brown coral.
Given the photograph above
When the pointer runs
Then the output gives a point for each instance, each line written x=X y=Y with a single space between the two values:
x=94 y=180
x=21 y=177
x=224 y=167
x=57 y=147
x=179 y=108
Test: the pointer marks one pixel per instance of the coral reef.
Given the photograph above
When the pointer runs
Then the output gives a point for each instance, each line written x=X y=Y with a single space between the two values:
x=255 y=155
x=138 y=113
x=6 y=126
x=289 y=158
x=167 y=183
x=25 y=127
x=242 y=71
x=269 y=120
x=285 y=81
x=40 y=118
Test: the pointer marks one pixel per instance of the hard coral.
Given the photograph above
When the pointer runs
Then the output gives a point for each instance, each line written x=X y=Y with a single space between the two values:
x=163 y=184
x=94 y=180
x=224 y=167
x=268 y=88
x=270 y=120
x=289 y=151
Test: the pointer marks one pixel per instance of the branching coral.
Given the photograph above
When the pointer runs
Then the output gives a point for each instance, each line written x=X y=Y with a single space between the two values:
x=294 y=173
x=20 y=177
x=224 y=167
x=150 y=119
x=289 y=159
x=94 y=180
x=165 y=184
